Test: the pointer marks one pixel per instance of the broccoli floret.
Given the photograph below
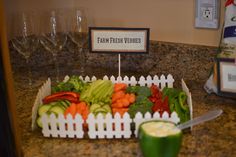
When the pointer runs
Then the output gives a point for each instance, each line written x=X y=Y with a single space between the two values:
x=143 y=107
x=77 y=83
x=132 y=89
x=145 y=91
x=74 y=84
x=139 y=90
x=62 y=86
x=142 y=103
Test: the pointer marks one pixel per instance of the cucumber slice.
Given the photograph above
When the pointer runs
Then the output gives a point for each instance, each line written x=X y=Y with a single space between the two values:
x=67 y=102
x=43 y=109
x=102 y=103
x=63 y=104
x=107 y=108
x=57 y=109
x=39 y=122
x=93 y=107
x=98 y=110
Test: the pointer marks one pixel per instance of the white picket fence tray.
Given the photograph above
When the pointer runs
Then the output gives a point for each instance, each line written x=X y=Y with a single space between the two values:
x=110 y=126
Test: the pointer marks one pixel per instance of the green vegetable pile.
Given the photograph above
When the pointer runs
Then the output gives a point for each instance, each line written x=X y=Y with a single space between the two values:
x=74 y=84
x=142 y=103
x=98 y=91
x=177 y=102
x=98 y=96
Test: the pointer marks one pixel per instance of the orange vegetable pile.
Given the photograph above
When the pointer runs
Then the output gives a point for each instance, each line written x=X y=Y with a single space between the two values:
x=80 y=108
x=120 y=99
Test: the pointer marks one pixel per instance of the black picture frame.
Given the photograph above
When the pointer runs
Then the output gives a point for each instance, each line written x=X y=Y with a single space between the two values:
x=221 y=91
x=119 y=28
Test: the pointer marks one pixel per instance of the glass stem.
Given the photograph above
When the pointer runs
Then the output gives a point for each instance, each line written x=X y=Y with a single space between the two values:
x=29 y=71
x=81 y=61
x=57 y=68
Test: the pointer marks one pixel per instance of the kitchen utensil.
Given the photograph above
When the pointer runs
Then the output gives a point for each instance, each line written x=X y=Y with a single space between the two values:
x=203 y=118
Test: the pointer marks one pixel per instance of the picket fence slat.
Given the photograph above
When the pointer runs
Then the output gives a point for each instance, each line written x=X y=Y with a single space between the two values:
x=108 y=126
x=104 y=126
x=91 y=126
x=110 y=132
x=127 y=125
x=60 y=126
x=100 y=126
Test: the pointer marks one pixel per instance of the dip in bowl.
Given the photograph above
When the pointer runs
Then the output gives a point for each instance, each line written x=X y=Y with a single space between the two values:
x=159 y=139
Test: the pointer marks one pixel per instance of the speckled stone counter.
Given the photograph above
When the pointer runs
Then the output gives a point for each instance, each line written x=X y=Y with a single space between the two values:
x=216 y=138
x=191 y=62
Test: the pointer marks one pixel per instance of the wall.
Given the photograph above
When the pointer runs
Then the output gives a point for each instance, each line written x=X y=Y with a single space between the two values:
x=169 y=20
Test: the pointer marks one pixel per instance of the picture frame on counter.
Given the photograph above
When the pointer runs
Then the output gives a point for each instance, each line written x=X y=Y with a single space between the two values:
x=119 y=40
x=226 y=77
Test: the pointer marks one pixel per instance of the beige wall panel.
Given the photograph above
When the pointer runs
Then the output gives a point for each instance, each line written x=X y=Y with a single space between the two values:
x=169 y=20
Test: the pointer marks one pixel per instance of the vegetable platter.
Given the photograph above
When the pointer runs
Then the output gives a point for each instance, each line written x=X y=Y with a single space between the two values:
x=108 y=108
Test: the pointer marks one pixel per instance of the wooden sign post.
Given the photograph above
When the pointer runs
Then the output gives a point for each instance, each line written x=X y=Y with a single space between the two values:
x=119 y=40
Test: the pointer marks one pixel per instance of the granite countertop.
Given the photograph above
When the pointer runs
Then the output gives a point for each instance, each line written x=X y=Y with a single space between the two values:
x=216 y=138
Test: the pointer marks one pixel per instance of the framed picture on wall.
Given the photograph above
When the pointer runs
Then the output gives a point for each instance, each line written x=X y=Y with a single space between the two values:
x=226 y=69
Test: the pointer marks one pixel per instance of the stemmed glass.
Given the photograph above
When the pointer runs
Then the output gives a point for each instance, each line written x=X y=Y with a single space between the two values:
x=25 y=32
x=78 y=35
x=54 y=34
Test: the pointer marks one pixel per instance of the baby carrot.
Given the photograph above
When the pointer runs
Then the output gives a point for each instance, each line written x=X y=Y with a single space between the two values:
x=127 y=95
x=119 y=86
x=67 y=111
x=117 y=95
x=124 y=110
x=73 y=109
x=131 y=98
x=81 y=106
x=117 y=105
x=85 y=112
x=124 y=102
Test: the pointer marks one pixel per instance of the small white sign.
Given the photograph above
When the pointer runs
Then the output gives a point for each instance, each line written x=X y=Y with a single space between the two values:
x=228 y=77
x=119 y=40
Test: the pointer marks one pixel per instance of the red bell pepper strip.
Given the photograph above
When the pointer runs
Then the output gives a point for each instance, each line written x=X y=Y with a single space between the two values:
x=159 y=105
x=70 y=96
x=74 y=94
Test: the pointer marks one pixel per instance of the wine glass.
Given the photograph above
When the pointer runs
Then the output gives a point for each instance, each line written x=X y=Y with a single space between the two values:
x=78 y=35
x=54 y=34
x=25 y=40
